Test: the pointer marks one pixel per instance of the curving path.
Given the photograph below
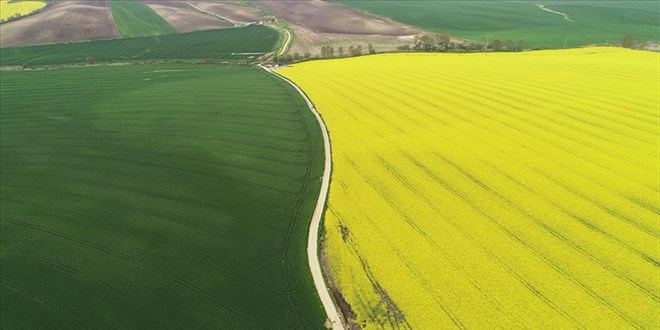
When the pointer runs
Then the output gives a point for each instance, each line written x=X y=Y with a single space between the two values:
x=542 y=7
x=312 y=240
x=282 y=51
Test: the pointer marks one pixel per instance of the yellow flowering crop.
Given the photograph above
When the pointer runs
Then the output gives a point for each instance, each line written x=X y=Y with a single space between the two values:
x=494 y=190
x=21 y=8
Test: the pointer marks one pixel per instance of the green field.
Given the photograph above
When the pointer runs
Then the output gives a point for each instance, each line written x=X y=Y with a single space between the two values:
x=156 y=196
x=592 y=21
x=227 y=44
x=134 y=19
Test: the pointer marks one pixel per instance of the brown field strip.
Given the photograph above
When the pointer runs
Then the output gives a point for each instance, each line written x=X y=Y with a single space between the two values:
x=64 y=21
x=184 y=18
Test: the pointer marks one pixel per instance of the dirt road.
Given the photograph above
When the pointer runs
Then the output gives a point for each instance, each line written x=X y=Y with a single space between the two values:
x=312 y=240
x=285 y=47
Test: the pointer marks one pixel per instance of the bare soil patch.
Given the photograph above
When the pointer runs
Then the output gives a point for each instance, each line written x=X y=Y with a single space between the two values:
x=184 y=18
x=306 y=40
x=327 y=17
x=317 y=23
x=230 y=9
x=63 y=21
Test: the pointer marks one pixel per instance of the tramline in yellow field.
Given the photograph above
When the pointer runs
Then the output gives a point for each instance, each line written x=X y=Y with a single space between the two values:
x=493 y=190
x=9 y=8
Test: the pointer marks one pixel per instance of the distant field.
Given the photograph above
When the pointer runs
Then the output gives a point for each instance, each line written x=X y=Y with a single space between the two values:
x=185 y=18
x=493 y=191
x=62 y=21
x=592 y=21
x=159 y=196
x=9 y=8
x=226 y=44
x=135 y=19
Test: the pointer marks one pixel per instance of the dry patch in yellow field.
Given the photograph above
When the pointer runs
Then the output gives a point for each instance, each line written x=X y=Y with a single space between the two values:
x=493 y=190
x=10 y=9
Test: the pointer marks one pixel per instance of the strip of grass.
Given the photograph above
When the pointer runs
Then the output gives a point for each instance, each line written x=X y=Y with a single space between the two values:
x=156 y=196
x=135 y=19
x=593 y=21
x=227 y=44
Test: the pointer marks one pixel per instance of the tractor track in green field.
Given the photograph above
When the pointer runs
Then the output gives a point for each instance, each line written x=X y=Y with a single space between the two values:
x=179 y=280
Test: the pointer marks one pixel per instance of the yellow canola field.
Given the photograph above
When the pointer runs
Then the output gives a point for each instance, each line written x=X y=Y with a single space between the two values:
x=10 y=8
x=499 y=190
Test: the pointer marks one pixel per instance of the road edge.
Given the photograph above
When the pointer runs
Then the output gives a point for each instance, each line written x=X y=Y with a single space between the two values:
x=314 y=227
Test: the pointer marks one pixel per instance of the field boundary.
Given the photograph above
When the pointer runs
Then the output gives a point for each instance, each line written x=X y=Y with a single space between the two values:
x=287 y=42
x=47 y=2
x=236 y=23
x=312 y=241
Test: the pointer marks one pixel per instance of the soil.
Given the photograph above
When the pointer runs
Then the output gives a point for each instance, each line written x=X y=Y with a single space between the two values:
x=328 y=17
x=63 y=21
x=317 y=23
x=230 y=9
x=306 y=40
x=184 y=18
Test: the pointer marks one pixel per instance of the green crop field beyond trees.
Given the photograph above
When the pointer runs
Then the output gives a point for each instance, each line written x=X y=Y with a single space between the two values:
x=227 y=44
x=589 y=22
x=135 y=19
x=156 y=196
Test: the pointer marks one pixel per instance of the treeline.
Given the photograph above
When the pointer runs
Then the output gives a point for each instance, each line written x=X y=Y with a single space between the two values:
x=629 y=41
x=443 y=43
x=434 y=43
x=18 y=16
x=326 y=52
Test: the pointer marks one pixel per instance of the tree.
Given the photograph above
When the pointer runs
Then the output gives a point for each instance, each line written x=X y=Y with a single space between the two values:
x=508 y=45
x=340 y=51
x=296 y=57
x=307 y=55
x=628 y=41
x=443 y=38
x=371 y=49
x=472 y=46
x=358 y=50
x=424 y=43
x=91 y=60
x=327 y=52
x=495 y=45
x=351 y=50
x=404 y=48
x=520 y=46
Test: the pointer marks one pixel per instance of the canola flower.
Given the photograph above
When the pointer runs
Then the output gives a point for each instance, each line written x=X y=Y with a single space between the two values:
x=494 y=190
x=10 y=9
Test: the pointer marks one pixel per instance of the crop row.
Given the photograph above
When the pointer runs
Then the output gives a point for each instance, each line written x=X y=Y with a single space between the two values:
x=492 y=197
x=225 y=44
x=152 y=195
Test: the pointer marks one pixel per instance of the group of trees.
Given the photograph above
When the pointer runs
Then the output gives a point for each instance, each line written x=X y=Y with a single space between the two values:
x=507 y=46
x=289 y=58
x=629 y=41
x=326 y=52
x=431 y=43
x=11 y=18
x=329 y=51
x=444 y=43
